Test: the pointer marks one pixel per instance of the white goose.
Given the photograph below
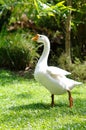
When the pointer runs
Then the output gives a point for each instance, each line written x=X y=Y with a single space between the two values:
x=52 y=78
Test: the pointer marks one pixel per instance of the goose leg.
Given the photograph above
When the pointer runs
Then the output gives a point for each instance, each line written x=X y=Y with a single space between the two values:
x=70 y=99
x=52 y=100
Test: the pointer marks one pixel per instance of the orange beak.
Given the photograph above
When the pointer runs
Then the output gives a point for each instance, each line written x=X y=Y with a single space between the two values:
x=35 y=38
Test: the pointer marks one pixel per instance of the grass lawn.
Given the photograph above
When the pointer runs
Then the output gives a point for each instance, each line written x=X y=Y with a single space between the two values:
x=25 y=105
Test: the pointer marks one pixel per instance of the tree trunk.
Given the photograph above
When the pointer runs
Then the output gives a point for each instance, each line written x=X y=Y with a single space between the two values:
x=68 y=34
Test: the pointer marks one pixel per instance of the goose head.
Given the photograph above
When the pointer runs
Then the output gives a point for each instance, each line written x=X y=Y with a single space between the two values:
x=40 y=38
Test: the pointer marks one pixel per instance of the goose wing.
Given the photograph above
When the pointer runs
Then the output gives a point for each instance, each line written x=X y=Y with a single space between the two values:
x=60 y=76
x=57 y=71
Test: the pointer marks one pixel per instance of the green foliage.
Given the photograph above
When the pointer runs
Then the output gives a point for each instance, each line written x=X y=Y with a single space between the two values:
x=16 y=50
x=35 y=9
x=45 y=14
x=77 y=68
x=78 y=71
x=16 y=8
x=25 y=105
x=48 y=12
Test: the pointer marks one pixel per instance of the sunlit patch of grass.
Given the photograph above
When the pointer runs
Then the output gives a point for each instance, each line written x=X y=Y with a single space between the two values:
x=25 y=104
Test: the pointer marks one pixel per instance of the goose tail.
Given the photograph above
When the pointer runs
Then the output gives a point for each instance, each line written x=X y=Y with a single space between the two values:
x=74 y=83
x=77 y=83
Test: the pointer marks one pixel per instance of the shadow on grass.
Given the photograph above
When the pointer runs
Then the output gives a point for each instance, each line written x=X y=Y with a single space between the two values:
x=36 y=111
x=79 y=107
x=35 y=106
x=30 y=106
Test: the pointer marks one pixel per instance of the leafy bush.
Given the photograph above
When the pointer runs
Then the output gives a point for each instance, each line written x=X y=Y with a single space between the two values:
x=16 y=50
x=77 y=69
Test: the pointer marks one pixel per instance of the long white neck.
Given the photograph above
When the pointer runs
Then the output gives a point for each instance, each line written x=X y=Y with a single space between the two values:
x=44 y=57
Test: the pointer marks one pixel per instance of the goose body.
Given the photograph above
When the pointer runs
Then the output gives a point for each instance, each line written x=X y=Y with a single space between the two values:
x=52 y=78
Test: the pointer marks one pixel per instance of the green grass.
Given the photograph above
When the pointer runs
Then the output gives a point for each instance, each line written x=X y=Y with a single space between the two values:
x=25 y=105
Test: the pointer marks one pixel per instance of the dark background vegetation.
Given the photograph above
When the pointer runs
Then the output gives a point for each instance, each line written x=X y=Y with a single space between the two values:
x=21 y=20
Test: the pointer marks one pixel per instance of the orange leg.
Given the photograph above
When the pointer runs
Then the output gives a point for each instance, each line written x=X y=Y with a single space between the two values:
x=70 y=99
x=52 y=101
